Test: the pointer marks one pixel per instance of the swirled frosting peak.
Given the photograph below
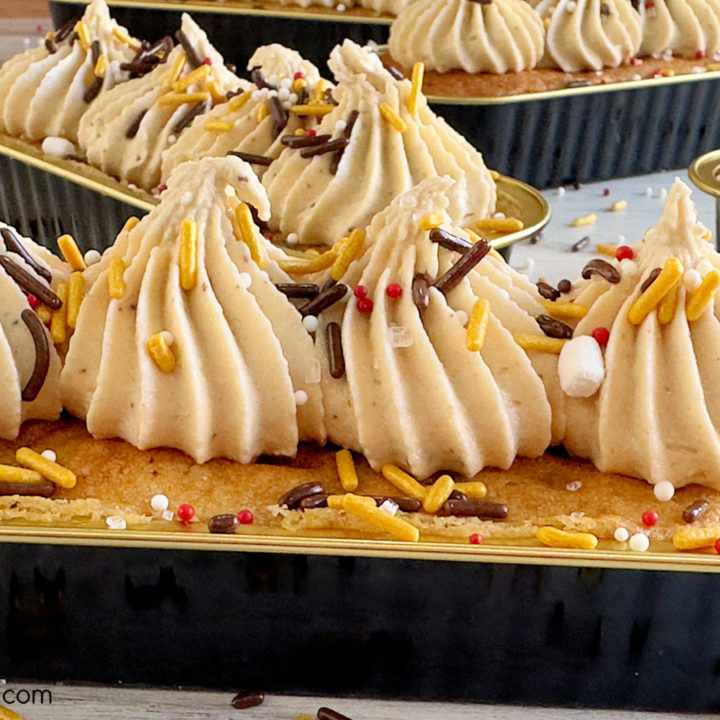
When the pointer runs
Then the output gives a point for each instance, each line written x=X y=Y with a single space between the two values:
x=45 y=91
x=378 y=147
x=657 y=413
x=254 y=121
x=29 y=362
x=496 y=37
x=183 y=339
x=689 y=28
x=412 y=392
x=126 y=134
x=590 y=34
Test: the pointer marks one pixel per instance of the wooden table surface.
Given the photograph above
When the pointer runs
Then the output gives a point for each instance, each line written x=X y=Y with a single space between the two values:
x=24 y=9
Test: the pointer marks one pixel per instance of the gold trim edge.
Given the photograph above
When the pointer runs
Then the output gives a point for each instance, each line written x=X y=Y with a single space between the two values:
x=701 y=173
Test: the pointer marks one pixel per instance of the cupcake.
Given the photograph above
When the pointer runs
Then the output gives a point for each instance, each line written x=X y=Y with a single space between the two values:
x=686 y=28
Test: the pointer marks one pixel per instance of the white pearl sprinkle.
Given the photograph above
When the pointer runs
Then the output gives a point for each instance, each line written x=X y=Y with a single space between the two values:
x=573 y=486
x=256 y=95
x=639 y=542
x=301 y=397
x=167 y=515
x=292 y=239
x=245 y=279
x=159 y=502
x=283 y=93
x=58 y=146
x=664 y=490
x=340 y=126
x=499 y=214
x=621 y=239
x=310 y=323
x=691 y=279
x=627 y=267
x=172 y=139
x=115 y=523
x=561 y=191
x=462 y=316
x=286 y=83
x=92 y=257
x=648 y=192
x=341 y=8
x=293 y=98
x=621 y=534
x=167 y=337
x=49 y=455
x=663 y=193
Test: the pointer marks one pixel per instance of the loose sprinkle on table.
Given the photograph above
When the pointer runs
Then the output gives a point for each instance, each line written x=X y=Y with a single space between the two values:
x=584 y=220
x=554 y=537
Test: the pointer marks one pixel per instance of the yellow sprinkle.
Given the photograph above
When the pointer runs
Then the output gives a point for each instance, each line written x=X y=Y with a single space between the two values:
x=605 y=249
x=477 y=325
x=130 y=224
x=350 y=250
x=418 y=72
x=81 y=29
x=182 y=98
x=176 y=69
x=320 y=88
x=263 y=110
x=218 y=126
x=669 y=72
x=706 y=235
x=12 y=474
x=44 y=313
x=495 y=175
x=396 y=526
x=712 y=66
x=502 y=225
x=123 y=36
x=474 y=489
x=644 y=304
x=346 y=470
x=188 y=254
x=217 y=95
x=392 y=117
x=431 y=221
x=297 y=266
x=239 y=101
x=71 y=252
x=540 y=343
x=116 y=283
x=438 y=493
x=100 y=66
x=298 y=84
x=404 y=482
x=161 y=353
x=668 y=305
x=583 y=220
x=552 y=537
x=47 y=468
x=304 y=717
x=299 y=132
x=618 y=205
x=76 y=291
x=474 y=237
x=311 y=109
x=565 y=309
x=546 y=22
x=334 y=502
x=702 y=296
x=245 y=231
x=693 y=538
x=196 y=76
x=58 y=321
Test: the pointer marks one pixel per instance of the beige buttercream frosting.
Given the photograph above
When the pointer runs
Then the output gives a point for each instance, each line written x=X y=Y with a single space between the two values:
x=384 y=7
x=412 y=393
x=590 y=34
x=245 y=379
x=20 y=358
x=245 y=122
x=688 y=28
x=380 y=161
x=496 y=36
x=44 y=94
x=657 y=413
x=149 y=109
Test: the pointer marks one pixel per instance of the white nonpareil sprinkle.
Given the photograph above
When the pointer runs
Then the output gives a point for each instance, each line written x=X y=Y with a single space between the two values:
x=310 y=323
x=663 y=193
x=58 y=146
x=92 y=257
x=499 y=214
x=621 y=239
x=389 y=506
x=49 y=455
x=293 y=98
x=286 y=83
x=561 y=191
x=627 y=267
x=256 y=95
x=664 y=490
x=172 y=139
x=691 y=279
x=283 y=93
x=648 y=192
x=399 y=336
x=167 y=336
x=340 y=126
x=245 y=279
x=159 y=502
x=573 y=486
x=341 y=8
x=621 y=534
x=462 y=317
x=639 y=542
x=292 y=239
x=167 y=515
x=115 y=523
x=301 y=397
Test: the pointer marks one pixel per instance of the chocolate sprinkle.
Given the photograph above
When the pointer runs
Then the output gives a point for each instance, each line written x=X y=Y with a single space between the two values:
x=245 y=700
x=279 y=115
x=336 y=359
x=132 y=131
x=695 y=510
x=225 y=523
x=193 y=58
x=325 y=713
x=547 y=290
x=95 y=51
x=404 y=502
x=347 y=132
x=303 y=141
x=330 y=146
x=603 y=269
x=554 y=328
x=446 y=282
x=449 y=241
x=252 y=158
x=291 y=499
x=395 y=72
x=189 y=116
x=42 y=355
x=50 y=45
x=14 y=245
x=29 y=283
x=474 y=508
x=94 y=89
x=298 y=290
x=259 y=79
x=421 y=291
x=45 y=488
x=565 y=286
x=303 y=96
x=580 y=244
x=66 y=28
x=324 y=300
x=604 y=9
x=313 y=501
x=650 y=279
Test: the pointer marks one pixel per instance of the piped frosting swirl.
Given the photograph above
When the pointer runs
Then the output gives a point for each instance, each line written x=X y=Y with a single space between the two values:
x=682 y=27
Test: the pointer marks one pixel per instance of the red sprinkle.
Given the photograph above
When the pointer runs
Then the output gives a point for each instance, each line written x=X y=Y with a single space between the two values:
x=624 y=252
x=650 y=518
x=649 y=5
x=34 y=302
x=309 y=132
x=185 y=513
x=606 y=192
x=207 y=61
x=298 y=76
x=635 y=61
x=161 y=188
x=365 y=305
x=601 y=335
x=658 y=73
x=360 y=291
x=394 y=290
x=245 y=517
x=717 y=546
x=699 y=55
x=475 y=539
